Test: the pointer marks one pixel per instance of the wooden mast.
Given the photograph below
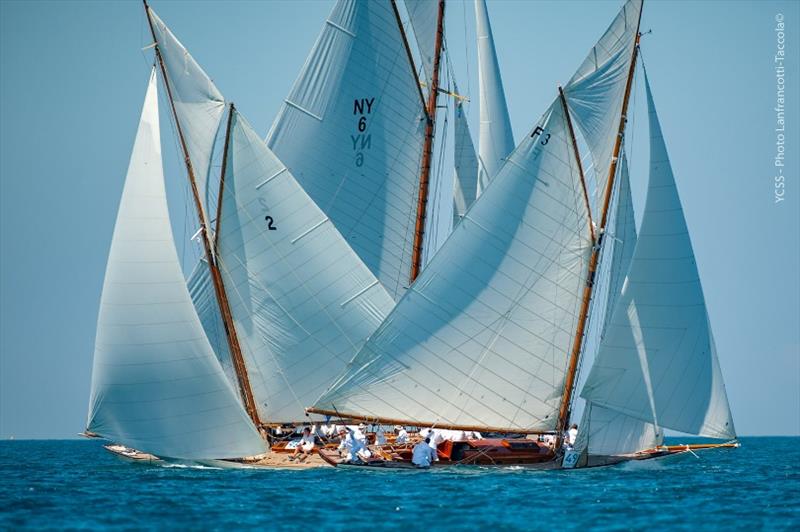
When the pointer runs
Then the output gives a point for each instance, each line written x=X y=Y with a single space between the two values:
x=216 y=277
x=427 y=149
x=569 y=384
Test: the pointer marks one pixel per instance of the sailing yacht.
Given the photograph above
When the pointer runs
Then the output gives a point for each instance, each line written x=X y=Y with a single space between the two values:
x=321 y=294
x=491 y=335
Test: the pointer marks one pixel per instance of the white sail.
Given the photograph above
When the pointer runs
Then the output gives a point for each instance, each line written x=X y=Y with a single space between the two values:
x=657 y=361
x=198 y=104
x=351 y=132
x=620 y=240
x=201 y=288
x=605 y=433
x=496 y=140
x=424 y=15
x=596 y=91
x=465 y=185
x=302 y=301
x=156 y=384
x=483 y=336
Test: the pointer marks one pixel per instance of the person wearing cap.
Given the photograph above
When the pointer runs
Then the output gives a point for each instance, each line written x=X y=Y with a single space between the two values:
x=304 y=447
x=354 y=447
x=423 y=454
x=402 y=435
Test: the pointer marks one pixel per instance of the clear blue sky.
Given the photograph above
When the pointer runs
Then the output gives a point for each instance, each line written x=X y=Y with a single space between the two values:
x=73 y=76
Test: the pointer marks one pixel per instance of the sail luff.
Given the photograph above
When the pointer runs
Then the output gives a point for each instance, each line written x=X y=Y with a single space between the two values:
x=427 y=150
x=225 y=150
x=569 y=385
x=219 y=288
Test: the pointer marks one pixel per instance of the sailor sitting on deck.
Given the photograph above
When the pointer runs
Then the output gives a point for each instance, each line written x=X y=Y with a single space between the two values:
x=423 y=454
x=304 y=447
x=354 y=447
x=402 y=434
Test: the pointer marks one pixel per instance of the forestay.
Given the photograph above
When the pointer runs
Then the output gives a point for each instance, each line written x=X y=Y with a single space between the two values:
x=156 y=384
x=496 y=140
x=659 y=342
x=198 y=104
x=302 y=301
x=352 y=130
x=482 y=338
x=465 y=184
x=596 y=91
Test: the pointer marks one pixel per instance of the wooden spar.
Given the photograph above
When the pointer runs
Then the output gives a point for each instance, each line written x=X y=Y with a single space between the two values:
x=417 y=423
x=409 y=55
x=216 y=276
x=231 y=110
x=578 y=159
x=427 y=149
x=569 y=384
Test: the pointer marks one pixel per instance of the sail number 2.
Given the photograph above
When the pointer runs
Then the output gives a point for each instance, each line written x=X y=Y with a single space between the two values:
x=270 y=221
x=362 y=108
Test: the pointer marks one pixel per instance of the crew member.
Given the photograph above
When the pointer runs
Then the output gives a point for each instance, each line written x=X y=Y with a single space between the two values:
x=304 y=447
x=423 y=454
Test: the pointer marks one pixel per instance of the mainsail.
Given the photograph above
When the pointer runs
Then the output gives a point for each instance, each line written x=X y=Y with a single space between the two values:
x=657 y=362
x=156 y=384
x=482 y=338
x=496 y=140
x=302 y=301
x=351 y=131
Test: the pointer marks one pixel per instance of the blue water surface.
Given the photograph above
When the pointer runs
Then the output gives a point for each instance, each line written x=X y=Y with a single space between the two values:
x=77 y=484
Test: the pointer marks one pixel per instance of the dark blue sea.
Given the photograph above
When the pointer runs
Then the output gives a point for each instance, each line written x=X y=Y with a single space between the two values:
x=77 y=484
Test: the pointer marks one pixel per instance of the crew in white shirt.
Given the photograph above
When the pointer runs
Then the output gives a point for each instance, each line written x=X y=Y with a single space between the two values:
x=402 y=434
x=304 y=447
x=423 y=454
x=353 y=446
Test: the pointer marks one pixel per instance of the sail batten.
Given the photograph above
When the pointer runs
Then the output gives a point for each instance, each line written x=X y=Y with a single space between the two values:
x=156 y=383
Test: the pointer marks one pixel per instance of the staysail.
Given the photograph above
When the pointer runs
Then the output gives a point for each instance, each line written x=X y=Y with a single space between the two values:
x=423 y=14
x=659 y=343
x=302 y=301
x=465 y=185
x=496 y=140
x=351 y=131
x=595 y=92
x=482 y=337
x=156 y=384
